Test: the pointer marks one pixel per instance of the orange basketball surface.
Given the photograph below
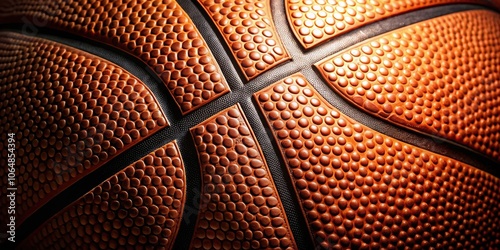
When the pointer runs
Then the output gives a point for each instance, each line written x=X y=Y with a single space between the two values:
x=256 y=124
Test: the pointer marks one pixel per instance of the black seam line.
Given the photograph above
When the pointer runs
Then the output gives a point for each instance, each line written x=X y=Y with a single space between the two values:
x=215 y=42
x=347 y=40
x=337 y=45
x=179 y=126
x=139 y=145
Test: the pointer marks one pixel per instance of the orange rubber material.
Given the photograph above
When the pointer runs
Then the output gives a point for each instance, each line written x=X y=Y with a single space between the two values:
x=362 y=189
x=240 y=207
x=315 y=22
x=439 y=77
x=248 y=29
x=70 y=112
x=142 y=204
x=159 y=33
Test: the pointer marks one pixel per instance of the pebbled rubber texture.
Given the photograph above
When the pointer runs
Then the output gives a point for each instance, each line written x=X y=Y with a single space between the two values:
x=248 y=29
x=142 y=204
x=160 y=34
x=240 y=207
x=362 y=189
x=241 y=94
x=315 y=22
x=70 y=112
x=439 y=77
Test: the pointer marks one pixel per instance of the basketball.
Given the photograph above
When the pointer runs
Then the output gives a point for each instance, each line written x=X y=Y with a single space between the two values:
x=250 y=124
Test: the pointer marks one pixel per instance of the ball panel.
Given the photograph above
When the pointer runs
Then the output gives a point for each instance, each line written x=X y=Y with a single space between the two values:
x=70 y=111
x=241 y=95
x=160 y=34
x=248 y=29
x=360 y=188
x=427 y=78
x=240 y=207
x=314 y=23
x=140 y=205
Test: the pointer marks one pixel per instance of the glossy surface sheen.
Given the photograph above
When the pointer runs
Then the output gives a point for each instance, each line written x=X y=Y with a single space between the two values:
x=70 y=112
x=159 y=33
x=249 y=31
x=315 y=22
x=140 y=205
x=240 y=207
x=428 y=78
x=360 y=188
x=99 y=167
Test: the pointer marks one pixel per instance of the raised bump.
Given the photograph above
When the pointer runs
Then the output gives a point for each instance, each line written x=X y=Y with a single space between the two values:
x=240 y=207
x=248 y=29
x=159 y=33
x=70 y=113
x=362 y=189
x=438 y=77
x=141 y=205
x=315 y=22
